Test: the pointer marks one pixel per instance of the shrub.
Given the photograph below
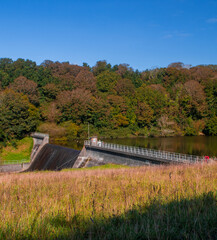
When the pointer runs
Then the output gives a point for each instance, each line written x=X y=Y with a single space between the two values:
x=211 y=126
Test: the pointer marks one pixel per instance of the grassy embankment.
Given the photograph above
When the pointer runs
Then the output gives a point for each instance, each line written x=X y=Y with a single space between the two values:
x=170 y=202
x=20 y=153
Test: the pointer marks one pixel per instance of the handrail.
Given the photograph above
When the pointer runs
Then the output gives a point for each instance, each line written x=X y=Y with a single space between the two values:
x=171 y=156
x=8 y=162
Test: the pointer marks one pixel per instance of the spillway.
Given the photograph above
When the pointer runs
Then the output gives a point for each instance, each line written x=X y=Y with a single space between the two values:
x=53 y=157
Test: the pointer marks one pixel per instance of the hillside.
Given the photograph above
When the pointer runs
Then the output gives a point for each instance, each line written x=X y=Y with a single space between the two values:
x=62 y=98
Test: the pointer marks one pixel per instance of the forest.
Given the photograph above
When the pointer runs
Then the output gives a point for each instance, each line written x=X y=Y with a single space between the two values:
x=61 y=99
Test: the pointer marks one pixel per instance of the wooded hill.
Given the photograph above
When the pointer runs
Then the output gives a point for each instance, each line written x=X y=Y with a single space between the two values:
x=61 y=99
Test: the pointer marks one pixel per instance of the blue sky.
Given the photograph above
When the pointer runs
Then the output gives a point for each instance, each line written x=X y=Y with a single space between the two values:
x=144 y=34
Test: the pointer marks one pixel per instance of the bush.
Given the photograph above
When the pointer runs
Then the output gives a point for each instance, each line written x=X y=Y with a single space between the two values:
x=52 y=129
x=72 y=130
x=211 y=126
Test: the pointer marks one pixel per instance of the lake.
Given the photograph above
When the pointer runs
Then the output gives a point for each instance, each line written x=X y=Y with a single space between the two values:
x=198 y=145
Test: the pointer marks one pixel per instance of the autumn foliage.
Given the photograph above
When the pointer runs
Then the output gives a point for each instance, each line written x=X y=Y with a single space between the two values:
x=176 y=100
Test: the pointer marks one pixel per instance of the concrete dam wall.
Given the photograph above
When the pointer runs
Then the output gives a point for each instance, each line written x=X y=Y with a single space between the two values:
x=53 y=157
x=99 y=157
x=134 y=156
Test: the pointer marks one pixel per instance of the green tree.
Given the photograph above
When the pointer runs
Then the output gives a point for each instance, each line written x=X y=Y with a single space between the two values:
x=155 y=99
x=211 y=126
x=18 y=117
x=50 y=91
x=100 y=67
x=211 y=96
x=72 y=130
x=144 y=114
x=120 y=120
x=4 y=79
x=173 y=75
x=106 y=81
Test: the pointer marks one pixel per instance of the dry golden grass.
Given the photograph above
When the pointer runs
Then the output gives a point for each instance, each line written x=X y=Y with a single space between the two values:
x=166 y=202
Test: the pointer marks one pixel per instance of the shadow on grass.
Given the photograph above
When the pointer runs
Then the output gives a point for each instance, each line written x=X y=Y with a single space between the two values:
x=184 y=219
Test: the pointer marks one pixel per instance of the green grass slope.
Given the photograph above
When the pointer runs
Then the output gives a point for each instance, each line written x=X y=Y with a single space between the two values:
x=20 y=153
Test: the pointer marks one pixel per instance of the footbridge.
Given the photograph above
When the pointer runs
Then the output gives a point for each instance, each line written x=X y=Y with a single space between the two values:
x=129 y=155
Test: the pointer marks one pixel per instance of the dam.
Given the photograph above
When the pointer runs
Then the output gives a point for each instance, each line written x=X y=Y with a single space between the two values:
x=134 y=156
x=47 y=156
x=54 y=158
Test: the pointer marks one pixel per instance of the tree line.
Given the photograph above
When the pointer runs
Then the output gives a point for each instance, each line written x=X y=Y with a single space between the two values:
x=61 y=98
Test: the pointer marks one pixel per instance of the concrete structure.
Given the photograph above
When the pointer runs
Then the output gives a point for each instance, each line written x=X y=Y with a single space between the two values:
x=39 y=140
x=133 y=156
x=53 y=157
x=13 y=167
x=47 y=156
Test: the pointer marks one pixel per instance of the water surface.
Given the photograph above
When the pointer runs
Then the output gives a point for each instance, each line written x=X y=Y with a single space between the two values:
x=199 y=145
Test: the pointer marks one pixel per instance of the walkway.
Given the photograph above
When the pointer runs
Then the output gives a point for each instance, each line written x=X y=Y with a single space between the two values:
x=157 y=155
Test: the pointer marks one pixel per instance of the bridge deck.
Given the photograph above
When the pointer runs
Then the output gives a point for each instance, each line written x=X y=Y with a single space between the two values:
x=154 y=155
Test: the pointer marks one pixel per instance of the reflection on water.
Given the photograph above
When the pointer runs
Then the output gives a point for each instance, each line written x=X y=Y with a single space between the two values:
x=199 y=145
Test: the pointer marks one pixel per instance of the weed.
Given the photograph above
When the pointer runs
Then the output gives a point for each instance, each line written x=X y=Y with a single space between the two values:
x=163 y=202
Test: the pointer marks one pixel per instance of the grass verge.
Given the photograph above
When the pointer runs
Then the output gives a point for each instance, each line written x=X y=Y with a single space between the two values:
x=102 y=167
x=18 y=154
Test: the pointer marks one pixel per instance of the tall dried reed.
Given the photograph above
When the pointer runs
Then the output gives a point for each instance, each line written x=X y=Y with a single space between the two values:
x=166 y=202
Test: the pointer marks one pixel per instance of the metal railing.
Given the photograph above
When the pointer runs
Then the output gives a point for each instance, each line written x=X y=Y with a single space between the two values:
x=157 y=154
x=8 y=162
